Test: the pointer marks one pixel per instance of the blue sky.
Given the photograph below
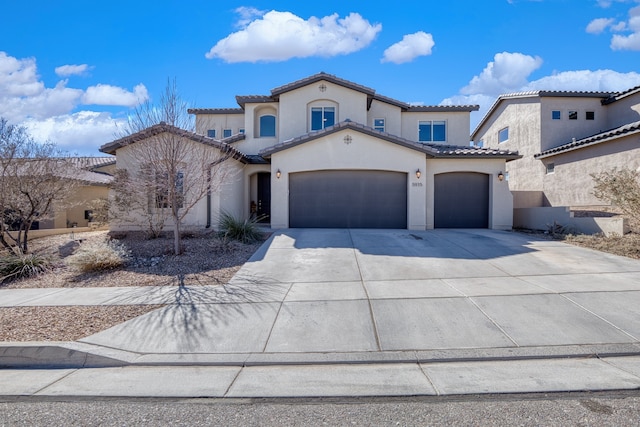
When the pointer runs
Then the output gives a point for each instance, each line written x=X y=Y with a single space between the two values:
x=72 y=70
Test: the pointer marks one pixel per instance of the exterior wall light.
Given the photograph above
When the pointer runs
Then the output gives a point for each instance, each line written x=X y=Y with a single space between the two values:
x=278 y=174
x=500 y=176
x=418 y=174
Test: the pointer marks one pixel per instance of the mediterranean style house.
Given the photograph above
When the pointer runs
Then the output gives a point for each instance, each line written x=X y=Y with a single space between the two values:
x=563 y=138
x=329 y=153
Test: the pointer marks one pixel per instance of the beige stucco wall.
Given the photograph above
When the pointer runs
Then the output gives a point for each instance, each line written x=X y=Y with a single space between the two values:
x=295 y=114
x=219 y=122
x=571 y=184
x=391 y=114
x=227 y=195
x=626 y=110
x=457 y=127
x=522 y=116
x=500 y=199
x=363 y=153
x=559 y=132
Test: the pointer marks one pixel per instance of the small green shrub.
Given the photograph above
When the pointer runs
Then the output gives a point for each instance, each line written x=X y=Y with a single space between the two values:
x=245 y=231
x=19 y=266
x=99 y=256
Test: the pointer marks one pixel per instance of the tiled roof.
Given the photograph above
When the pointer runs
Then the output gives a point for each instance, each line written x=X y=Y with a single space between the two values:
x=111 y=147
x=388 y=100
x=253 y=99
x=257 y=160
x=215 y=111
x=617 y=96
x=441 y=108
x=433 y=150
x=90 y=163
x=628 y=129
x=321 y=76
x=234 y=138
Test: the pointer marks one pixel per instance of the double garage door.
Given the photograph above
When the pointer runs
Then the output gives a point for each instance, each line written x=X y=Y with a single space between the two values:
x=378 y=199
x=348 y=199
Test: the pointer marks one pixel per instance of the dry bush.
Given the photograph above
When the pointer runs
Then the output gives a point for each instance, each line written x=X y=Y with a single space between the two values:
x=99 y=255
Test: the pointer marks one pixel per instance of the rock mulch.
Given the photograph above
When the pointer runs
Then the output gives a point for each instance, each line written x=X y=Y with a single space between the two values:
x=206 y=261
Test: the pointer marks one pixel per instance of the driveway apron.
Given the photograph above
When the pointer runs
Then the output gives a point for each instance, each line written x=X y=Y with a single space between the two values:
x=341 y=291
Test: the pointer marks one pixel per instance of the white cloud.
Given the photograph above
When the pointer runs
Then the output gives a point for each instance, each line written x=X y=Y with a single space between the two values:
x=279 y=36
x=248 y=14
x=628 y=32
x=79 y=133
x=102 y=94
x=509 y=72
x=71 y=70
x=411 y=46
x=597 y=26
x=506 y=73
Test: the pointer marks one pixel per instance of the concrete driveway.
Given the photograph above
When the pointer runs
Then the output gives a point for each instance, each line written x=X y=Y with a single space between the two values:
x=364 y=295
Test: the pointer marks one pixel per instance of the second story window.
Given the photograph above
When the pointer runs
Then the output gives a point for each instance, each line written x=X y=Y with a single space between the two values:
x=267 y=126
x=432 y=131
x=322 y=117
x=378 y=124
x=503 y=135
x=226 y=133
x=211 y=133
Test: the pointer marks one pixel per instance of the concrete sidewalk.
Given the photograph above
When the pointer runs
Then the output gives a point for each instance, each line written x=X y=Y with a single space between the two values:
x=363 y=312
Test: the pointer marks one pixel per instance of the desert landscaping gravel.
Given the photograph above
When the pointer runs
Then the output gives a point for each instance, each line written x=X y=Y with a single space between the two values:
x=206 y=260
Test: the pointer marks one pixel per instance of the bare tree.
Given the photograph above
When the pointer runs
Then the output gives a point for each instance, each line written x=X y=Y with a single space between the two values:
x=35 y=179
x=168 y=168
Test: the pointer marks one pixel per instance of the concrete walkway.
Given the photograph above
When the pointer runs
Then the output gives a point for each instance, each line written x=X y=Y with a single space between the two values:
x=361 y=312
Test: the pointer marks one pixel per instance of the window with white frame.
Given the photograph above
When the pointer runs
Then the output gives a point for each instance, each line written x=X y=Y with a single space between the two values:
x=378 y=124
x=503 y=135
x=226 y=133
x=432 y=131
x=211 y=133
x=590 y=115
x=241 y=131
x=322 y=117
x=573 y=115
x=551 y=167
x=556 y=115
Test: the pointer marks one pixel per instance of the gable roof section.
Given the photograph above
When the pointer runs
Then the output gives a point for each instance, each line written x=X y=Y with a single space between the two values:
x=536 y=94
x=111 y=147
x=620 y=95
x=275 y=93
x=610 y=135
x=432 y=150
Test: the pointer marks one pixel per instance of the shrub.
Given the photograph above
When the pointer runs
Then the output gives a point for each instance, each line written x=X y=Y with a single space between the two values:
x=99 y=256
x=621 y=188
x=245 y=231
x=20 y=266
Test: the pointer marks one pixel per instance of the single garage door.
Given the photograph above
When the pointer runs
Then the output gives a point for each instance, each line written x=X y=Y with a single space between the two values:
x=461 y=200
x=348 y=199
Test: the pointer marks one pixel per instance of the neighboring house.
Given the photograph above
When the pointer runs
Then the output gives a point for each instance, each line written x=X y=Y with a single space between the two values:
x=563 y=137
x=327 y=152
x=94 y=175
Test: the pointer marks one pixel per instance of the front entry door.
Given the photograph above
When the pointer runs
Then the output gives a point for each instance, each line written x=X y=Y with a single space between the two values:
x=264 y=197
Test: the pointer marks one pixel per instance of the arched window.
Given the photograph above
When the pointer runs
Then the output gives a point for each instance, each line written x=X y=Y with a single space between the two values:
x=267 y=125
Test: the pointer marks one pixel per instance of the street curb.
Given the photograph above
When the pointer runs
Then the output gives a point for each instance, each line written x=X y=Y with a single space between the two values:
x=76 y=355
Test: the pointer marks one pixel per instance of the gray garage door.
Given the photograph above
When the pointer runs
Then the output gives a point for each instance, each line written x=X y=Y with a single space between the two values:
x=461 y=200
x=348 y=199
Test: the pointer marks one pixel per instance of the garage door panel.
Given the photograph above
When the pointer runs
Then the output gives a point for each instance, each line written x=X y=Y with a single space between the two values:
x=461 y=200
x=348 y=199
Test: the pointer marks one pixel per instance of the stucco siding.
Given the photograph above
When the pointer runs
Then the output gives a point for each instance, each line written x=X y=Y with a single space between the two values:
x=571 y=184
x=457 y=125
x=623 y=111
x=391 y=114
x=295 y=115
x=500 y=199
x=558 y=132
x=219 y=122
x=363 y=153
